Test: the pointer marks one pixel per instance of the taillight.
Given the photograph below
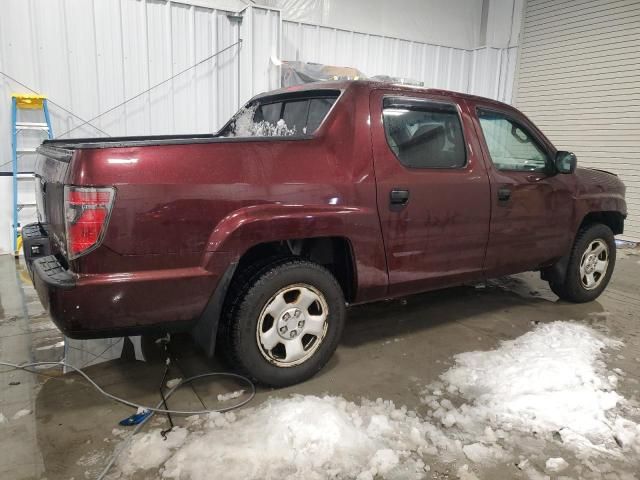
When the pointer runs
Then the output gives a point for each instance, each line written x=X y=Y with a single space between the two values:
x=87 y=212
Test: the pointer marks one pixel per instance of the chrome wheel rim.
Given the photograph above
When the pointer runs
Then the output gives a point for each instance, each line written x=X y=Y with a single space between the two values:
x=594 y=264
x=292 y=325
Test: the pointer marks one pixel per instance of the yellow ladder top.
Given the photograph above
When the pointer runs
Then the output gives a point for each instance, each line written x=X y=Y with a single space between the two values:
x=28 y=100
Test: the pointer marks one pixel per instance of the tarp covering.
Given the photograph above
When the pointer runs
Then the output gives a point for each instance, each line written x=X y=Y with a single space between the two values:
x=296 y=73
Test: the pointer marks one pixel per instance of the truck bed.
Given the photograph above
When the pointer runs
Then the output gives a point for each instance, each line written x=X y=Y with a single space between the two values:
x=131 y=141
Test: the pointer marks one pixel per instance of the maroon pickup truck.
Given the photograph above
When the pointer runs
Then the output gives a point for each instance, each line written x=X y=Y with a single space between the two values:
x=310 y=199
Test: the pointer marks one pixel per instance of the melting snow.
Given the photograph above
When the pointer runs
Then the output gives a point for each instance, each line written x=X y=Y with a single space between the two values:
x=21 y=413
x=173 y=382
x=551 y=379
x=555 y=465
x=54 y=345
x=549 y=386
x=224 y=397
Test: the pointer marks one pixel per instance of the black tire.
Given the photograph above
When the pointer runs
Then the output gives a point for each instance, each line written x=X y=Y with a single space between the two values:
x=250 y=293
x=572 y=288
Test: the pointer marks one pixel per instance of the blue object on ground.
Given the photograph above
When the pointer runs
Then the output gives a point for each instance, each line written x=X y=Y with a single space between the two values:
x=135 y=419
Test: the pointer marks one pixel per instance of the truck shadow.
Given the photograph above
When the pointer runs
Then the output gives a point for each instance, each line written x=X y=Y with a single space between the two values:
x=516 y=301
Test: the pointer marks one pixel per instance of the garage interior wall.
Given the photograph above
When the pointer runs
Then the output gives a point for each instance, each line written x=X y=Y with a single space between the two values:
x=578 y=81
x=91 y=55
x=426 y=21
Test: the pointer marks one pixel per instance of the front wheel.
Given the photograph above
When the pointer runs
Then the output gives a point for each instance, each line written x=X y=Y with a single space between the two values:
x=590 y=265
x=285 y=322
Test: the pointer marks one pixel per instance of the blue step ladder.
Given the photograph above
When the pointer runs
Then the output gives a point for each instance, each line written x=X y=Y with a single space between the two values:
x=24 y=101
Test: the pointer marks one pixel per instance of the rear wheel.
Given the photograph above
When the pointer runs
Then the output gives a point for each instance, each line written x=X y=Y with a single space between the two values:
x=590 y=265
x=284 y=322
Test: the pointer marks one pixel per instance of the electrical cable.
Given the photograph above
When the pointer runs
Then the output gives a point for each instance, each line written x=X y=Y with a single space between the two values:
x=154 y=86
x=252 y=393
x=129 y=403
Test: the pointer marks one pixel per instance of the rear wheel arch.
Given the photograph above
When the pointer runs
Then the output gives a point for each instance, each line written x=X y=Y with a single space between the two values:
x=242 y=329
x=335 y=253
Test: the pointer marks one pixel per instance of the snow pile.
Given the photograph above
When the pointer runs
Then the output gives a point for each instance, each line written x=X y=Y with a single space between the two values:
x=304 y=437
x=549 y=383
x=549 y=387
x=244 y=126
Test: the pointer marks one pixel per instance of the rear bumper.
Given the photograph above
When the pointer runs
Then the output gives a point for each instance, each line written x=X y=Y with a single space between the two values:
x=115 y=304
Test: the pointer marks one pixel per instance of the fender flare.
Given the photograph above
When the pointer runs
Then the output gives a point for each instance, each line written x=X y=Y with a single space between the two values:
x=249 y=226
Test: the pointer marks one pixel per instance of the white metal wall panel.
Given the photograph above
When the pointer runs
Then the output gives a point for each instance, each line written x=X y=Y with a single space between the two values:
x=260 y=32
x=485 y=71
x=578 y=80
x=91 y=55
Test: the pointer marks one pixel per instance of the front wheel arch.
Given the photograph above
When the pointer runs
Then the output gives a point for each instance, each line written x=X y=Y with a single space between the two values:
x=566 y=281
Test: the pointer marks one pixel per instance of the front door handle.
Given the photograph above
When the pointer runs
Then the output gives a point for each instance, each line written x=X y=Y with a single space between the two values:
x=504 y=194
x=398 y=197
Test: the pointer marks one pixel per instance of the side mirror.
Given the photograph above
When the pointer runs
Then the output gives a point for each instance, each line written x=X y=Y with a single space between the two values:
x=565 y=162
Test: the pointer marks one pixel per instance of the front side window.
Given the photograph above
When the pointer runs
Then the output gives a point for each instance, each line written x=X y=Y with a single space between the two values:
x=511 y=146
x=424 y=134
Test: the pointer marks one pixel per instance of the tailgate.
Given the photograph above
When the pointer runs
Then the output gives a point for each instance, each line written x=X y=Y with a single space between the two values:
x=51 y=170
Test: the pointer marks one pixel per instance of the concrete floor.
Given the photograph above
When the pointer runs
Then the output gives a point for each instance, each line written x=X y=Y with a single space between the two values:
x=389 y=350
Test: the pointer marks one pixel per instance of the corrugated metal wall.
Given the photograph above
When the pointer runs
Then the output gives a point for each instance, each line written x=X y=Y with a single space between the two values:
x=89 y=55
x=578 y=80
x=484 y=71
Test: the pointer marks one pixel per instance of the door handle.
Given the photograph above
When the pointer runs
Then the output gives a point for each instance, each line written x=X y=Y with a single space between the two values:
x=534 y=178
x=398 y=198
x=504 y=194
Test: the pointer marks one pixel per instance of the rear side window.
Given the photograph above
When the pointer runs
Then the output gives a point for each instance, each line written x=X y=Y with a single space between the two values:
x=318 y=109
x=297 y=114
x=511 y=146
x=424 y=134
x=269 y=112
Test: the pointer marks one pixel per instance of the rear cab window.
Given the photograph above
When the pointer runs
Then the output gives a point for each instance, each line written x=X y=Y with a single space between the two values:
x=296 y=114
x=424 y=133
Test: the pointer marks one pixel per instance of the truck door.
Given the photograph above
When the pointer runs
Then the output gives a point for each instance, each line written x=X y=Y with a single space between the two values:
x=532 y=207
x=432 y=190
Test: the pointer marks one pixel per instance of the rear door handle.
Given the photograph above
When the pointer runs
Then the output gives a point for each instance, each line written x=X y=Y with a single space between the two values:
x=504 y=194
x=398 y=198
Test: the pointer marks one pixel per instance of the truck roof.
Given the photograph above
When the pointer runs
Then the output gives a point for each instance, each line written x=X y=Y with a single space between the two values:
x=374 y=85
